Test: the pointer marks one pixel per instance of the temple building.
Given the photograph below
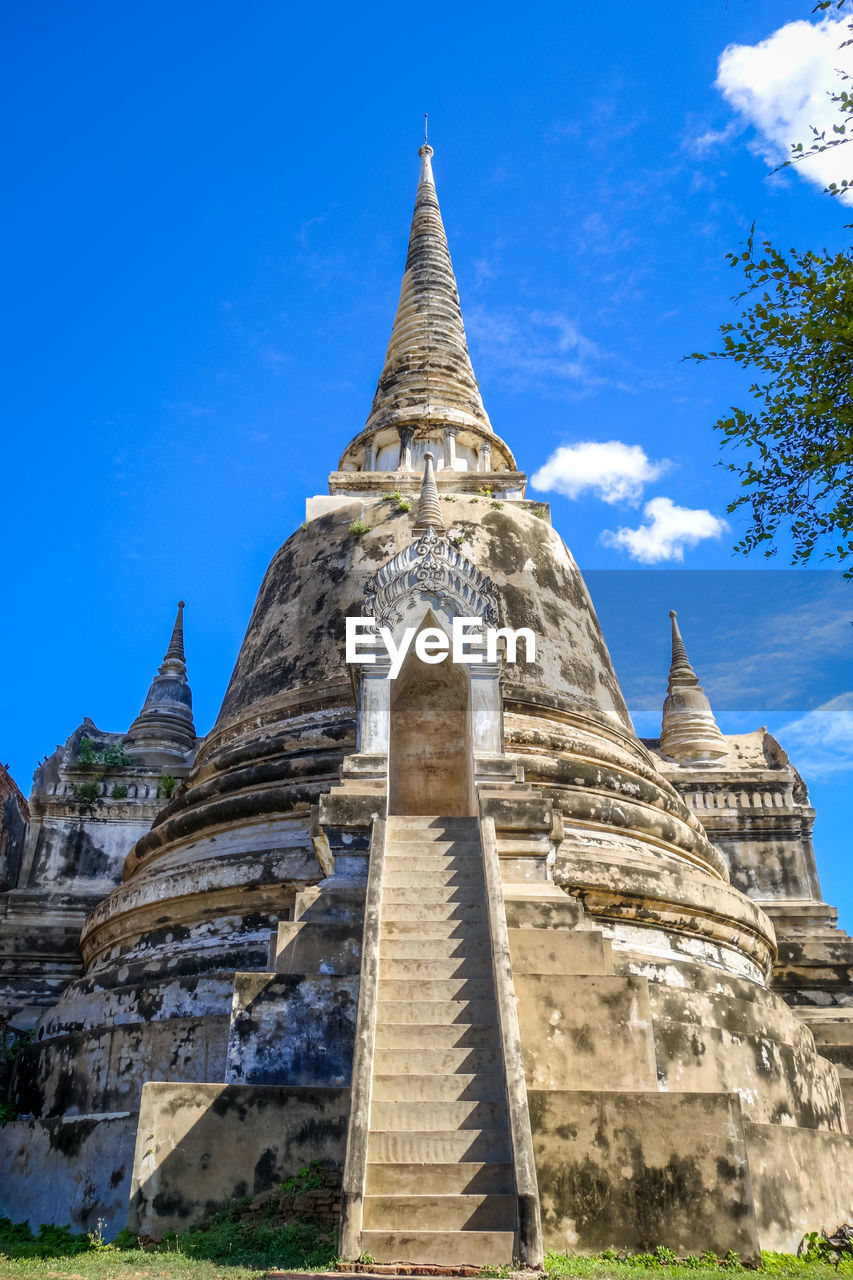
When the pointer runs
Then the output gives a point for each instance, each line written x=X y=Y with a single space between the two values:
x=520 y=979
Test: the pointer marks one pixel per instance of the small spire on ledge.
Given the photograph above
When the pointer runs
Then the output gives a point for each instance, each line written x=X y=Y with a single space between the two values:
x=688 y=731
x=429 y=507
x=164 y=730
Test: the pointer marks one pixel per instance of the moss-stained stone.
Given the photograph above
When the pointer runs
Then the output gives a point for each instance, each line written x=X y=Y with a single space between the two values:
x=641 y=1169
x=295 y=1029
x=802 y=1181
x=585 y=1031
x=198 y=1145
x=73 y=1171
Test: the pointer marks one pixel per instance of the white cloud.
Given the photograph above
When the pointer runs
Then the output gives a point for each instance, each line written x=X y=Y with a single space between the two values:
x=614 y=471
x=666 y=531
x=821 y=742
x=781 y=86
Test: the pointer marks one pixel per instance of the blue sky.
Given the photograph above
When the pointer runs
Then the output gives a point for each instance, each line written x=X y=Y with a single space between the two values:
x=206 y=225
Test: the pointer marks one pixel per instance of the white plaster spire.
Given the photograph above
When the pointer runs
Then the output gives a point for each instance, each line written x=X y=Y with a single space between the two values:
x=164 y=727
x=689 y=730
x=429 y=507
x=427 y=375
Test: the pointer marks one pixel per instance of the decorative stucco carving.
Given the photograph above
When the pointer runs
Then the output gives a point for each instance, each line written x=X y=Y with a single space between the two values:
x=431 y=571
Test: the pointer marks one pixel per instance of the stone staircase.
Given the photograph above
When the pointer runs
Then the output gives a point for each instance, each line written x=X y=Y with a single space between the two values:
x=440 y=1182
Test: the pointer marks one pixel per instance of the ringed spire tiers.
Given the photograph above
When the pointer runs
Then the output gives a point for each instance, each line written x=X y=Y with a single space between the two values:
x=427 y=372
x=165 y=723
x=689 y=730
x=427 y=396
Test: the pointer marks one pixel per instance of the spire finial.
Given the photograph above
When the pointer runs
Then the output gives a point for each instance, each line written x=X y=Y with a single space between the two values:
x=175 y=661
x=680 y=670
x=689 y=730
x=429 y=508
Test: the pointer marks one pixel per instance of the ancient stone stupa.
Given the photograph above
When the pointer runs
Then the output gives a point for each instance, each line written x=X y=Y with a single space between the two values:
x=518 y=978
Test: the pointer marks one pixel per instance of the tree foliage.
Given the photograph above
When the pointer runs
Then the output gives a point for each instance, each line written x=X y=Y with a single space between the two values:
x=796 y=334
x=842 y=130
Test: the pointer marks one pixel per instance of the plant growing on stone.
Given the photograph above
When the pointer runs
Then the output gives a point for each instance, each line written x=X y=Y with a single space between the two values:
x=308 y=1178
x=86 y=753
x=167 y=785
x=88 y=792
x=358 y=527
x=112 y=756
x=119 y=791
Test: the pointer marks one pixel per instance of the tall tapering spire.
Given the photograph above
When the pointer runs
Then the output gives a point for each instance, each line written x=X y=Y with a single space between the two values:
x=429 y=508
x=689 y=730
x=174 y=658
x=164 y=729
x=427 y=376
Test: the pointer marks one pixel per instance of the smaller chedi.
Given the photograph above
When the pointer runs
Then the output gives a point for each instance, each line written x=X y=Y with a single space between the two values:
x=517 y=977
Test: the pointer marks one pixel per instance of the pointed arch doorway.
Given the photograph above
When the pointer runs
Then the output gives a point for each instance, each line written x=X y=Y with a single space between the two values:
x=430 y=758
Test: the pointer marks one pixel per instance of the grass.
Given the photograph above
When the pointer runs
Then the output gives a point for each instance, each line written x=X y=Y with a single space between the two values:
x=226 y=1248
x=229 y=1249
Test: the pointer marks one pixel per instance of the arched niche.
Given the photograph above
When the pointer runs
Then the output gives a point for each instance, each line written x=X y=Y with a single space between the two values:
x=430 y=755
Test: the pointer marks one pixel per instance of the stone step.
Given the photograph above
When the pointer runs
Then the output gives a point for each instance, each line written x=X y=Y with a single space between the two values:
x=424 y=821
x=412 y=1087
x=440 y=1212
x=421 y=991
x=421 y=1117
x=443 y=1248
x=464 y=1177
x=434 y=1147
x=411 y=946
x=486 y=1060
x=398 y=851
x=447 y=875
x=438 y=1036
x=418 y=910
x=399 y=967
x=452 y=930
x=438 y=894
x=431 y=1012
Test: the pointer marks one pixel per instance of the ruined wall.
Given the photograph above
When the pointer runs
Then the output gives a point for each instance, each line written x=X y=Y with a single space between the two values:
x=85 y=817
x=14 y=816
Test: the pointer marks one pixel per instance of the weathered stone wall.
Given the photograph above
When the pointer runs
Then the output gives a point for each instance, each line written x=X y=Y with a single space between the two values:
x=199 y=1145
x=14 y=816
x=72 y=1171
x=641 y=1169
x=801 y=1181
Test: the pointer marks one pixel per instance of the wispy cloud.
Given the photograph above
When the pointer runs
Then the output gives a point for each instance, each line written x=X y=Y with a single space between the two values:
x=777 y=661
x=667 y=530
x=781 y=86
x=546 y=350
x=611 y=470
x=821 y=742
x=698 y=144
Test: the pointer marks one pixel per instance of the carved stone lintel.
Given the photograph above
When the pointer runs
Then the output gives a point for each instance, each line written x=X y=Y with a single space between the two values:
x=432 y=571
